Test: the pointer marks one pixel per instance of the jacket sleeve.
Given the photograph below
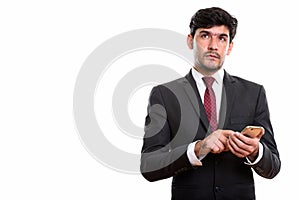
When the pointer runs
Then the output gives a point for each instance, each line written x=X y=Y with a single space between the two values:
x=269 y=165
x=159 y=160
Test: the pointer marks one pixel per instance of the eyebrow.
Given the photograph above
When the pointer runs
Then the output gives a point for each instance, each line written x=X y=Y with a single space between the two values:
x=211 y=33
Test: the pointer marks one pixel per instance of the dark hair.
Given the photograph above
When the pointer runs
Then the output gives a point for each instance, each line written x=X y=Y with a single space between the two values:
x=209 y=17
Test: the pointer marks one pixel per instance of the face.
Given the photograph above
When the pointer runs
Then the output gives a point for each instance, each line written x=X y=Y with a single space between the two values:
x=210 y=47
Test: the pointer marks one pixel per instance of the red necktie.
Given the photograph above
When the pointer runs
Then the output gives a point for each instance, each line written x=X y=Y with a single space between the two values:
x=210 y=103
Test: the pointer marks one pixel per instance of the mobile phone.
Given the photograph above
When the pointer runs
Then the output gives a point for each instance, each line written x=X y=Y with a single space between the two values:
x=253 y=131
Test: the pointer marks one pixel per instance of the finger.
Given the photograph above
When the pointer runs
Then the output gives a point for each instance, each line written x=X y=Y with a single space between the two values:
x=232 y=149
x=227 y=133
x=238 y=146
x=217 y=147
x=245 y=142
x=222 y=145
x=244 y=139
x=235 y=153
x=223 y=139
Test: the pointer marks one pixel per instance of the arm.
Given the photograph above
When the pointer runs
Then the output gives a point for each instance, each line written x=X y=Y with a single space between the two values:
x=269 y=164
x=160 y=158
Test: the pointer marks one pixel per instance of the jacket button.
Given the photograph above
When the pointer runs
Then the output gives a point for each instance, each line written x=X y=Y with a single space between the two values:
x=217 y=189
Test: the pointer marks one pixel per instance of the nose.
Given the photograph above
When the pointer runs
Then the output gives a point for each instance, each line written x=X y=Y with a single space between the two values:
x=213 y=44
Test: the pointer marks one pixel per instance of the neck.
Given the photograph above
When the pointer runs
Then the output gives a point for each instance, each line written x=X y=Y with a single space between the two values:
x=205 y=72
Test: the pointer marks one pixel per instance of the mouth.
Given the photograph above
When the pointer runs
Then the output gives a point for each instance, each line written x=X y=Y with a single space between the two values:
x=213 y=55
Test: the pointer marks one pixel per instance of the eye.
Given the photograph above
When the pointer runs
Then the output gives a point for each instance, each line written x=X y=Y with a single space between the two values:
x=223 y=39
x=204 y=36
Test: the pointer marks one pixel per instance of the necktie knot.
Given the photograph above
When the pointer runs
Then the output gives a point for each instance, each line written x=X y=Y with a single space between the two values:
x=208 y=81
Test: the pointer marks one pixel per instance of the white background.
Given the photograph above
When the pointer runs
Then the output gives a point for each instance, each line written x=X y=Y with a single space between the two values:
x=43 y=45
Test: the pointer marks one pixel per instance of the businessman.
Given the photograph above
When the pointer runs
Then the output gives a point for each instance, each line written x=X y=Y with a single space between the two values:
x=193 y=125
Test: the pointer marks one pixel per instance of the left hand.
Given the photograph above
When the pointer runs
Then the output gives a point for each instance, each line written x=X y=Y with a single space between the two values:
x=243 y=146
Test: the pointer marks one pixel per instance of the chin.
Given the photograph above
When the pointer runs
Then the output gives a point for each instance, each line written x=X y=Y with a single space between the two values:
x=212 y=68
x=209 y=66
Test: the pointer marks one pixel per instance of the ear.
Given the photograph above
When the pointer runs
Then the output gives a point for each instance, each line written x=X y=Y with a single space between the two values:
x=189 y=41
x=229 y=48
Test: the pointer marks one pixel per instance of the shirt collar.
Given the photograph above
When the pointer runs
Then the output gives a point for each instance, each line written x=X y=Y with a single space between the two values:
x=219 y=75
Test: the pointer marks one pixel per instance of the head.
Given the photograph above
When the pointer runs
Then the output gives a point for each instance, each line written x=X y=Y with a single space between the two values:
x=212 y=31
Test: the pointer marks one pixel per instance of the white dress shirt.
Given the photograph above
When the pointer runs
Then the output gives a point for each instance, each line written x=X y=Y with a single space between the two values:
x=217 y=87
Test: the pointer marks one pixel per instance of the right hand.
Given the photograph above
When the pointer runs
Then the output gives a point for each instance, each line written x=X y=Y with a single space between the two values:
x=216 y=142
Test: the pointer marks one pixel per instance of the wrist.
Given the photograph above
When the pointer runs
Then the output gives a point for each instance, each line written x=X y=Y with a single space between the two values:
x=252 y=157
x=197 y=147
x=201 y=149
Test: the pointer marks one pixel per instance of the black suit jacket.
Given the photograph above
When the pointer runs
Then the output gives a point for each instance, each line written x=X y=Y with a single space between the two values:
x=176 y=117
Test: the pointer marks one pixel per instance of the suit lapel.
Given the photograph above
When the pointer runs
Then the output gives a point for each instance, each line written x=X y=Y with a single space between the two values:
x=228 y=98
x=191 y=90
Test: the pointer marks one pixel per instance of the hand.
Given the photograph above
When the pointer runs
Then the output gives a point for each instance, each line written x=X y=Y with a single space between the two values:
x=216 y=142
x=243 y=146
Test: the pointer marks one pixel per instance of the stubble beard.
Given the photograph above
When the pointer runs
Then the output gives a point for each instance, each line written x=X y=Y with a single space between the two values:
x=207 y=67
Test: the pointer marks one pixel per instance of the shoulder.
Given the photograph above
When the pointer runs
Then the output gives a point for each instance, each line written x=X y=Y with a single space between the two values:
x=242 y=82
x=173 y=90
x=171 y=85
x=243 y=86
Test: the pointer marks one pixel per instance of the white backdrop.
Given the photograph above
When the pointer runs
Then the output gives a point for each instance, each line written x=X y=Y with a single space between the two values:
x=43 y=46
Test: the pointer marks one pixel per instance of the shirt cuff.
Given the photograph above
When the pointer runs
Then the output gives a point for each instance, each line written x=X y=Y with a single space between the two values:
x=260 y=155
x=192 y=156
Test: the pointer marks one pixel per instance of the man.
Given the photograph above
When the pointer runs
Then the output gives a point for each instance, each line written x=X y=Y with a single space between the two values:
x=193 y=126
